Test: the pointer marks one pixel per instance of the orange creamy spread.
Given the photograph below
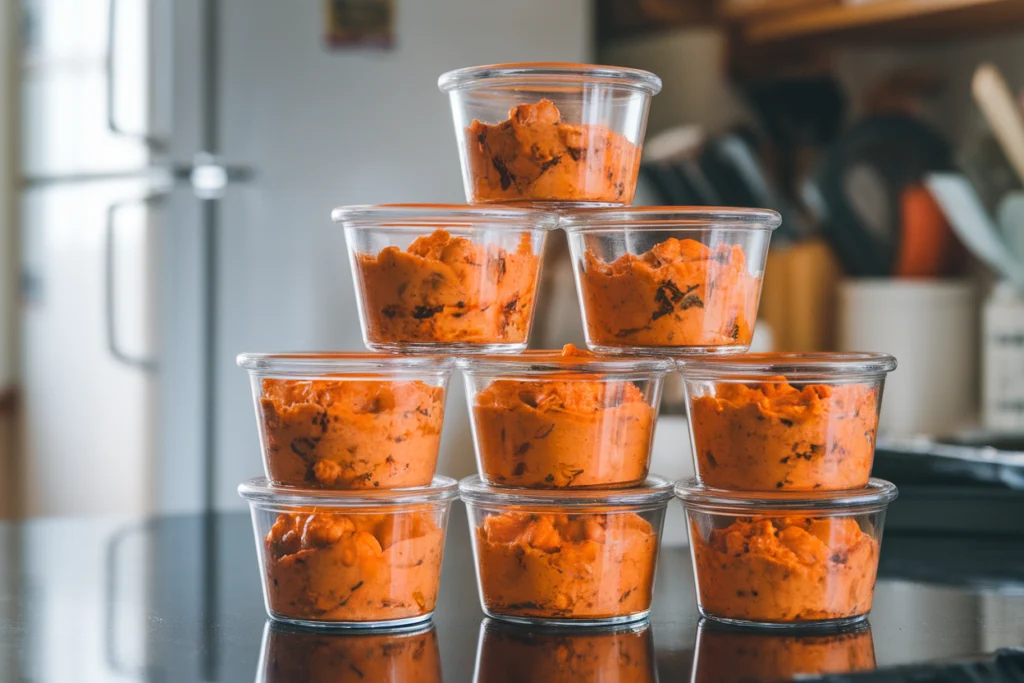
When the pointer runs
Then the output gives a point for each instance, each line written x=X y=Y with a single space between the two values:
x=786 y=569
x=566 y=566
x=680 y=293
x=324 y=566
x=332 y=658
x=508 y=655
x=776 y=436
x=344 y=434
x=536 y=156
x=730 y=656
x=565 y=431
x=449 y=289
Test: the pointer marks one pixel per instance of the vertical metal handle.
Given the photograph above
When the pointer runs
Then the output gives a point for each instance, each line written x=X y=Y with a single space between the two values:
x=115 y=127
x=109 y=285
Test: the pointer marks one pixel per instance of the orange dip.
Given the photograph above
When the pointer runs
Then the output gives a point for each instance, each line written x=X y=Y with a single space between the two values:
x=325 y=566
x=535 y=156
x=786 y=569
x=776 y=436
x=680 y=293
x=509 y=654
x=333 y=658
x=342 y=434
x=566 y=431
x=449 y=289
x=725 y=656
x=585 y=566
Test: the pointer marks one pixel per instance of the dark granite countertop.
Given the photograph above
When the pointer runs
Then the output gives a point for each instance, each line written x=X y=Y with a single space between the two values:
x=178 y=599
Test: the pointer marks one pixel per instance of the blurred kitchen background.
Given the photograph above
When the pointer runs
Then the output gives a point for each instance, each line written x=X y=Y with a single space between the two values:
x=168 y=167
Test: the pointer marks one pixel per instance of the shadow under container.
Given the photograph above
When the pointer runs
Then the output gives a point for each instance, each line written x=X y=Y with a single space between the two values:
x=350 y=559
x=557 y=133
x=669 y=280
x=549 y=419
x=785 y=421
x=566 y=557
x=291 y=653
x=445 y=279
x=785 y=559
x=510 y=653
x=348 y=420
x=727 y=653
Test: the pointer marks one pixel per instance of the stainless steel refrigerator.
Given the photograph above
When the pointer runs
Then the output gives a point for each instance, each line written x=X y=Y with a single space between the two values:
x=180 y=159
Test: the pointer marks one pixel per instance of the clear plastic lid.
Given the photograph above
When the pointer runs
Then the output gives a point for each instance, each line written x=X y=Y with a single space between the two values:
x=654 y=491
x=799 y=366
x=548 y=74
x=262 y=491
x=417 y=216
x=668 y=217
x=549 y=362
x=876 y=495
x=329 y=363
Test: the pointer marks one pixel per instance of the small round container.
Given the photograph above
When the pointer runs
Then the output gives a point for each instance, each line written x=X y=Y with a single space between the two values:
x=669 y=280
x=510 y=653
x=549 y=419
x=785 y=559
x=555 y=133
x=350 y=559
x=566 y=557
x=726 y=653
x=348 y=420
x=785 y=421
x=291 y=653
x=445 y=278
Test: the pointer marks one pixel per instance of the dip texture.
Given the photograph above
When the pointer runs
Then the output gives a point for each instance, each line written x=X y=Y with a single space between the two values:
x=582 y=566
x=773 y=435
x=449 y=289
x=574 y=429
x=351 y=434
x=786 y=569
x=535 y=156
x=680 y=293
x=327 y=566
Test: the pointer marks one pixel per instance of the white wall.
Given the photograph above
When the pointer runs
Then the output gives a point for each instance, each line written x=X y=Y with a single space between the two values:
x=8 y=270
x=325 y=128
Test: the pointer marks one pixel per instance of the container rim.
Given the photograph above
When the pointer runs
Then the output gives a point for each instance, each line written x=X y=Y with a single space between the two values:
x=820 y=365
x=653 y=491
x=415 y=216
x=315 y=362
x=666 y=217
x=260 y=490
x=548 y=73
x=544 y=361
x=876 y=495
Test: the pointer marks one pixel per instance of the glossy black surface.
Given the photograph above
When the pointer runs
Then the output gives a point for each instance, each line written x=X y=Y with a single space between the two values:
x=178 y=599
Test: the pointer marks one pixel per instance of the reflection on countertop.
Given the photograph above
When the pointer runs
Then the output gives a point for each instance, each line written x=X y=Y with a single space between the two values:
x=508 y=652
x=291 y=654
x=178 y=598
x=732 y=655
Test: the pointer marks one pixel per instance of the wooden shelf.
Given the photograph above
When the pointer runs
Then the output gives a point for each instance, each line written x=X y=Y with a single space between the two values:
x=887 y=20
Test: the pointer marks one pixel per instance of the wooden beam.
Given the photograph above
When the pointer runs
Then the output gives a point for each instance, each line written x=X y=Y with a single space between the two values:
x=877 y=20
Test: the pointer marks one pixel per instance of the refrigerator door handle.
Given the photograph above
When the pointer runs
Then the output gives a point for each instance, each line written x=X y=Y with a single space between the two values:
x=154 y=144
x=109 y=287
